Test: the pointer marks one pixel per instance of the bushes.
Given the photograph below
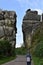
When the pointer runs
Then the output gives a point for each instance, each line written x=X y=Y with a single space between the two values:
x=5 y=48
x=21 y=51
x=39 y=49
x=37 y=43
x=37 y=60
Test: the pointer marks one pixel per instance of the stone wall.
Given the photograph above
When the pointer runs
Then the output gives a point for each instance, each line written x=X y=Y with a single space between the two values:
x=8 y=26
x=31 y=22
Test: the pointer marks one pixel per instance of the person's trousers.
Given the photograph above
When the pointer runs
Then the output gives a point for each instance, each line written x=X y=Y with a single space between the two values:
x=28 y=63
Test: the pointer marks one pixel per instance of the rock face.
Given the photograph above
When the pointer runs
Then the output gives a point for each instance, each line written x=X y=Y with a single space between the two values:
x=8 y=26
x=31 y=22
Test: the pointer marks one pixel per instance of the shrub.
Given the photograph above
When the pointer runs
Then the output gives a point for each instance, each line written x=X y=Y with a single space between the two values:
x=20 y=51
x=41 y=63
x=5 y=48
x=39 y=49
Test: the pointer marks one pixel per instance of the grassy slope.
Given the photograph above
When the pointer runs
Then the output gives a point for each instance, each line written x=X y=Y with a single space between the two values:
x=37 y=61
x=6 y=59
x=37 y=38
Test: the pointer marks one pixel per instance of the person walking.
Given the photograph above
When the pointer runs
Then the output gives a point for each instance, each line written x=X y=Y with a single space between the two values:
x=28 y=58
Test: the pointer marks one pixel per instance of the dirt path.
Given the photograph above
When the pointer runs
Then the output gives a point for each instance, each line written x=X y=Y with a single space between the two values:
x=20 y=60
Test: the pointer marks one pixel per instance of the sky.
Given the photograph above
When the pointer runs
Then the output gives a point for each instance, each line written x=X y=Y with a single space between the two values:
x=20 y=7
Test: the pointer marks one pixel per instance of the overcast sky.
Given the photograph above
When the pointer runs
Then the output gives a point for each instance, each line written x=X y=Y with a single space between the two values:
x=20 y=6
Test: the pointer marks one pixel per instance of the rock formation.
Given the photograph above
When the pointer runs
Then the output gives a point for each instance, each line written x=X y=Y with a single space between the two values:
x=31 y=22
x=8 y=26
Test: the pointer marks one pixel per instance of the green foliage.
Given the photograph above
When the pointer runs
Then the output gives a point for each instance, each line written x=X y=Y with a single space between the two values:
x=7 y=53
x=37 y=43
x=20 y=51
x=39 y=49
x=13 y=52
x=7 y=59
x=37 y=60
x=5 y=48
x=41 y=63
x=36 y=37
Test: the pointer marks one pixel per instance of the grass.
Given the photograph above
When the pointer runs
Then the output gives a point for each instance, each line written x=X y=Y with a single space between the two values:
x=37 y=60
x=7 y=59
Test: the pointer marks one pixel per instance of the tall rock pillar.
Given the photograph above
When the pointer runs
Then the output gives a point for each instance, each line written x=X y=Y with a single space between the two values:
x=8 y=28
x=31 y=22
